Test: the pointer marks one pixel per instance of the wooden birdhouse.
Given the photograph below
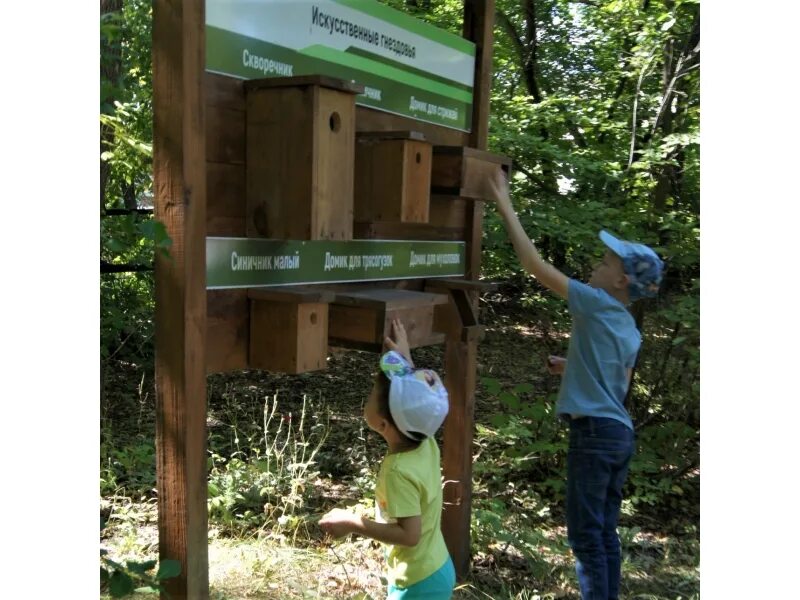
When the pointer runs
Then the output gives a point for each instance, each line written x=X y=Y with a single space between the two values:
x=363 y=319
x=392 y=177
x=289 y=329
x=465 y=172
x=300 y=156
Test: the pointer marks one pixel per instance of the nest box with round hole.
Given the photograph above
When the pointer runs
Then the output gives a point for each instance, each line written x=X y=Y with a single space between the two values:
x=300 y=157
x=392 y=177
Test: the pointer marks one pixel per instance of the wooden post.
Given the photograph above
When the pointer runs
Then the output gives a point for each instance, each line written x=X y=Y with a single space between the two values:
x=479 y=28
x=460 y=372
x=179 y=168
x=461 y=356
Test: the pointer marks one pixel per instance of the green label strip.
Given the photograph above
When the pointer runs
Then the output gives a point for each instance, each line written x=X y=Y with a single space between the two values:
x=251 y=262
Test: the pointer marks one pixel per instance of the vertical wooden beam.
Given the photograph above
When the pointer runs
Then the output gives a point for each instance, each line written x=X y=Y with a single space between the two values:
x=479 y=28
x=179 y=168
x=460 y=373
x=460 y=356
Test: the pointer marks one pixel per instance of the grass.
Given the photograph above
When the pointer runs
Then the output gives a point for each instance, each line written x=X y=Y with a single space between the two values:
x=284 y=449
x=656 y=566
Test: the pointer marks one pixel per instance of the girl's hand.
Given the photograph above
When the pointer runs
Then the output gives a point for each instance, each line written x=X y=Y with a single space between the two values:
x=338 y=522
x=398 y=341
x=556 y=365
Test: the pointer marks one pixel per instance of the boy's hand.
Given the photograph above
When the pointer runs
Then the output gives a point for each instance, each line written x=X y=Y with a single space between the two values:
x=499 y=190
x=556 y=365
x=398 y=341
x=338 y=522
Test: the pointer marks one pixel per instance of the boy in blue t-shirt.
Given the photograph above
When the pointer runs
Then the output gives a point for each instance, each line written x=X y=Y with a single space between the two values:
x=596 y=375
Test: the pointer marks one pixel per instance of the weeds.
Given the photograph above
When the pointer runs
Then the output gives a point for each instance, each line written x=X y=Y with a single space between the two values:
x=265 y=485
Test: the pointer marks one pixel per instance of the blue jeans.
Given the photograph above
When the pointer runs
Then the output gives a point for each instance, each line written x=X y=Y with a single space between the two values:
x=600 y=451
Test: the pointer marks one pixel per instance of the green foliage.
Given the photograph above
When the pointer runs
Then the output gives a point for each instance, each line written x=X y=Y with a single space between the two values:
x=126 y=101
x=126 y=315
x=528 y=443
x=268 y=483
x=131 y=467
x=598 y=106
x=511 y=522
x=126 y=117
x=122 y=580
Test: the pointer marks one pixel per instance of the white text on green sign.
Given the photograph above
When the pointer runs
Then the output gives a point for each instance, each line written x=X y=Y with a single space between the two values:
x=249 y=262
x=407 y=67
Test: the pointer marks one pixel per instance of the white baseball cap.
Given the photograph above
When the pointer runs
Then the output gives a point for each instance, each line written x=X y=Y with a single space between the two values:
x=418 y=400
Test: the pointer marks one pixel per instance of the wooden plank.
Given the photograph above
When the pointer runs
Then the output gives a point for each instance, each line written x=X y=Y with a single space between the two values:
x=369 y=119
x=227 y=226
x=224 y=91
x=474 y=240
x=225 y=190
x=384 y=230
x=179 y=170
x=378 y=183
x=391 y=135
x=479 y=28
x=449 y=212
x=460 y=284
x=389 y=299
x=334 y=159
x=325 y=81
x=416 y=191
x=460 y=374
x=279 y=163
x=227 y=330
x=291 y=294
x=225 y=141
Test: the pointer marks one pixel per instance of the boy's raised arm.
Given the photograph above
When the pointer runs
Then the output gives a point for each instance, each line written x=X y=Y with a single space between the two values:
x=528 y=255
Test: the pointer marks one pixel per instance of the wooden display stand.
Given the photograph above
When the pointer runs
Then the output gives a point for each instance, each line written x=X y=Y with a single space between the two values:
x=276 y=158
x=300 y=157
x=289 y=329
x=392 y=177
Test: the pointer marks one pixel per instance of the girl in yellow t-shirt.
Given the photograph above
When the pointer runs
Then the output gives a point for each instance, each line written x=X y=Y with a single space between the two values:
x=406 y=407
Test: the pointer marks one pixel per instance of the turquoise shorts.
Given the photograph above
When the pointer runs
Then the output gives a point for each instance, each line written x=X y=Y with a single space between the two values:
x=438 y=586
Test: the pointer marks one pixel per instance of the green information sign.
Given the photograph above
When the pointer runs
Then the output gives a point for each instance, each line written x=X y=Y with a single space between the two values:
x=406 y=66
x=249 y=262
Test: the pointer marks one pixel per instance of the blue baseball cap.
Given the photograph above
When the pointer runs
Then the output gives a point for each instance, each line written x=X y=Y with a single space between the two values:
x=642 y=265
